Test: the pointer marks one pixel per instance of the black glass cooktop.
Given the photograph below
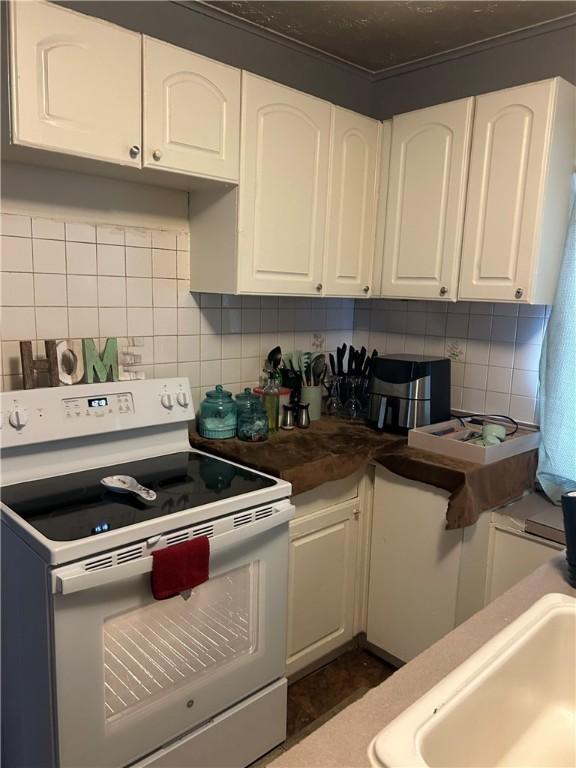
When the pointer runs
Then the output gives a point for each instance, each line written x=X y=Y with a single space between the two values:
x=75 y=506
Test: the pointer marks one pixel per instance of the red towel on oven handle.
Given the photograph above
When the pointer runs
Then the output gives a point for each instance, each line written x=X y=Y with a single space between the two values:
x=180 y=567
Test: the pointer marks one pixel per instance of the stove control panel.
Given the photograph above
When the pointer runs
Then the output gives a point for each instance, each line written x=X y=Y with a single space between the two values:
x=58 y=413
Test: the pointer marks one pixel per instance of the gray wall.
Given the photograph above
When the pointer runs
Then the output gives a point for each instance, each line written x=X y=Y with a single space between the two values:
x=502 y=66
x=240 y=47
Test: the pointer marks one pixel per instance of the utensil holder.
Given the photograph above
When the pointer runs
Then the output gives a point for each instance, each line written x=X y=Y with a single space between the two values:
x=312 y=396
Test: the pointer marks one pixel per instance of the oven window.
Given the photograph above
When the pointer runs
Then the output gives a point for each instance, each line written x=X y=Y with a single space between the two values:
x=152 y=650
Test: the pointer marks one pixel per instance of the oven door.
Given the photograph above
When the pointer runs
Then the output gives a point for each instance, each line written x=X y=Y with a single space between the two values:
x=133 y=673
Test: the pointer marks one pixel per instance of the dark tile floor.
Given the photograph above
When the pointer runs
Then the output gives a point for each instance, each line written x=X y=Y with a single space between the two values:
x=316 y=698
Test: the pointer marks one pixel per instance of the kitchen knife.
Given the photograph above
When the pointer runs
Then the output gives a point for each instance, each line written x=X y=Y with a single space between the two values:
x=351 y=354
x=332 y=364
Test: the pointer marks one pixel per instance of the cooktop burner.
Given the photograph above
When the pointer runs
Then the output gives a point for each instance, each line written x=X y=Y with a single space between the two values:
x=75 y=506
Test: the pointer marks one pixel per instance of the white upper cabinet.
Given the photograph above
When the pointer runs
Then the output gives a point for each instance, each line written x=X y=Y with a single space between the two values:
x=349 y=253
x=426 y=201
x=283 y=189
x=75 y=84
x=518 y=193
x=191 y=112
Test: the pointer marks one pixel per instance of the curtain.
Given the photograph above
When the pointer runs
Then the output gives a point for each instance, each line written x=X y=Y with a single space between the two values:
x=557 y=455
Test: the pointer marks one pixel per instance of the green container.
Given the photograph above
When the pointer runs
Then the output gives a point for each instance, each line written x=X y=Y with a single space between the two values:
x=252 y=418
x=218 y=415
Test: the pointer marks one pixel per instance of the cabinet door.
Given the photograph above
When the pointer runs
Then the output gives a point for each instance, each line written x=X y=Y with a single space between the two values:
x=414 y=567
x=507 y=168
x=283 y=189
x=191 y=112
x=75 y=84
x=426 y=197
x=323 y=555
x=349 y=254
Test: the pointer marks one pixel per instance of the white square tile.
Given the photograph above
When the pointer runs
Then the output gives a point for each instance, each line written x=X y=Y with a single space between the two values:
x=503 y=329
x=250 y=345
x=83 y=322
x=17 y=322
x=12 y=383
x=525 y=383
x=523 y=409
x=110 y=235
x=16 y=225
x=16 y=254
x=477 y=351
x=52 y=322
x=111 y=259
x=440 y=307
x=188 y=321
x=82 y=291
x=435 y=324
x=49 y=255
x=395 y=343
x=80 y=233
x=183 y=241
x=111 y=291
x=49 y=290
x=455 y=349
x=481 y=308
x=457 y=374
x=165 y=321
x=459 y=308
x=229 y=301
x=475 y=376
x=527 y=357
x=267 y=341
x=499 y=379
x=413 y=345
x=232 y=345
x=473 y=400
x=231 y=320
x=11 y=360
x=17 y=289
x=188 y=348
x=138 y=238
x=501 y=354
x=250 y=368
x=532 y=310
x=139 y=291
x=268 y=302
x=211 y=347
x=210 y=300
x=165 y=370
x=50 y=229
x=138 y=262
x=164 y=292
x=192 y=371
x=286 y=319
x=163 y=263
x=506 y=309
x=530 y=330
x=497 y=403
x=433 y=345
x=252 y=302
x=211 y=321
x=186 y=297
x=81 y=258
x=232 y=371
x=415 y=322
x=112 y=321
x=164 y=239
x=269 y=320
x=183 y=265
x=479 y=326
x=210 y=373
x=456 y=398
x=140 y=321
x=395 y=322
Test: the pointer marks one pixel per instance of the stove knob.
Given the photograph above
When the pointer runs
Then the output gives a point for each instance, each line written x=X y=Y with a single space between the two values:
x=167 y=401
x=18 y=418
x=183 y=399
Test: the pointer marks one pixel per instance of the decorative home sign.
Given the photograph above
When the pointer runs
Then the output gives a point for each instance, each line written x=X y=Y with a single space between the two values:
x=72 y=361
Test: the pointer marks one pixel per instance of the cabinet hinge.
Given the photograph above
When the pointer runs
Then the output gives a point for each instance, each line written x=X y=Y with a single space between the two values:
x=356 y=514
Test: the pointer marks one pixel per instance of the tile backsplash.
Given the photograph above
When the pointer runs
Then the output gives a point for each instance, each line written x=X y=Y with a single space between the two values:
x=494 y=348
x=72 y=280
x=63 y=279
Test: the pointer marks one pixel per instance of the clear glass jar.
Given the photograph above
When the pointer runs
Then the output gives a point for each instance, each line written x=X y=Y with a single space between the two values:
x=252 y=417
x=218 y=415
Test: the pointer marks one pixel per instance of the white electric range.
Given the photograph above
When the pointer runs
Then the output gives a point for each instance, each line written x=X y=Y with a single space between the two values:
x=95 y=672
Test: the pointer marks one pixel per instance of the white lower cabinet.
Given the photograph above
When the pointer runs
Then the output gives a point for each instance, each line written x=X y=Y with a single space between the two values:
x=414 y=566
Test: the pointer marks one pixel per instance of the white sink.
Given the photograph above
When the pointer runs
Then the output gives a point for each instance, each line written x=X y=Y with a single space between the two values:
x=513 y=703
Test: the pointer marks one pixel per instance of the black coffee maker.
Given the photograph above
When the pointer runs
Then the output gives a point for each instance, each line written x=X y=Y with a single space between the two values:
x=407 y=391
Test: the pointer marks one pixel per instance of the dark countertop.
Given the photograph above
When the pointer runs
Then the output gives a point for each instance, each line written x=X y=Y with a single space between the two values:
x=332 y=449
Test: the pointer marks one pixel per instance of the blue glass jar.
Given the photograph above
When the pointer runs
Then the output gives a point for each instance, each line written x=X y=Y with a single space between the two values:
x=252 y=417
x=218 y=415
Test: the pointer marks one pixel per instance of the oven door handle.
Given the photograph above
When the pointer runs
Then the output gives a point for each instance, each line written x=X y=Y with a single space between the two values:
x=75 y=579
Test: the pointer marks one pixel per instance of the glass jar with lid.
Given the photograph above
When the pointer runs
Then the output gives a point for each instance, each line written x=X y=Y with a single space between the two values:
x=252 y=417
x=218 y=415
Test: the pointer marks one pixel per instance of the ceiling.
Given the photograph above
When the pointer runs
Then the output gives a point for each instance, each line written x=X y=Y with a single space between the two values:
x=377 y=35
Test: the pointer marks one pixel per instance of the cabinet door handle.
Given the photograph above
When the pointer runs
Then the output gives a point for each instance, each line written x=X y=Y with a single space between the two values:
x=157 y=155
x=319 y=287
x=443 y=291
x=519 y=293
x=366 y=289
x=134 y=151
